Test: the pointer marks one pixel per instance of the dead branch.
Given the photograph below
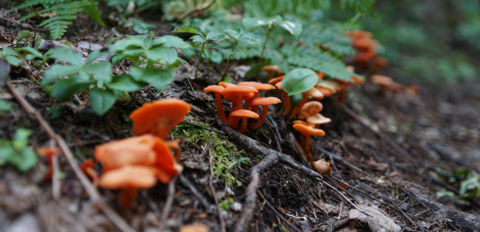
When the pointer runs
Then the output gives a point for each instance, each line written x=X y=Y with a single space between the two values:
x=87 y=185
x=168 y=204
x=187 y=183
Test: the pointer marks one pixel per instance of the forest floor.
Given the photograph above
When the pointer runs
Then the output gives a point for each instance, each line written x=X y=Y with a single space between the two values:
x=388 y=151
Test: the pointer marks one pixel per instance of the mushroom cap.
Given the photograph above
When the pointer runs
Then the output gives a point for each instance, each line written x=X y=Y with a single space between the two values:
x=326 y=88
x=271 y=68
x=310 y=108
x=320 y=75
x=128 y=177
x=86 y=164
x=358 y=80
x=159 y=117
x=276 y=80
x=230 y=93
x=165 y=166
x=129 y=151
x=380 y=62
x=48 y=151
x=307 y=130
x=214 y=88
x=381 y=80
x=322 y=166
x=256 y=85
x=314 y=93
x=303 y=122
x=242 y=113
x=318 y=119
x=263 y=101
x=226 y=84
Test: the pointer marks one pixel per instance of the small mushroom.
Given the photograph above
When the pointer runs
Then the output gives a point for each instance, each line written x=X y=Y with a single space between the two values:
x=285 y=98
x=159 y=117
x=308 y=132
x=218 y=90
x=49 y=153
x=312 y=93
x=272 y=70
x=386 y=84
x=310 y=108
x=264 y=102
x=322 y=166
x=87 y=167
x=244 y=115
x=236 y=94
x=257 y=85
x=129 y=179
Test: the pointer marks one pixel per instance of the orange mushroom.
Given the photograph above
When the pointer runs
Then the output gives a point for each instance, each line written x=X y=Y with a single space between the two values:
x=87 y=167
x=159 y=117
x=236 y=94
x=244 y=115
x=285 y=98
x=313 y=93
x=272 y=70
x=264 y=102
x=129 y=179
x=307 y=132
x=218 y=90
x=49 y=153
x=165 y=166
x=386 y=83
x=257 y=85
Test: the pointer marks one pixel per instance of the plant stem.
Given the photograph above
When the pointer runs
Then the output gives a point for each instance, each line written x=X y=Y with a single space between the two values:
x=199 y=59
x=266 y=39
x=229 y=59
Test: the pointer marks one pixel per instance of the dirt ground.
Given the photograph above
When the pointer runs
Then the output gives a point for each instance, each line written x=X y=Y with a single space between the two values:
x=437 y=131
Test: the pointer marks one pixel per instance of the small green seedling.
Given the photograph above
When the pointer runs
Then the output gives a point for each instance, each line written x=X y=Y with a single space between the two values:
x=17 y=152
x=239 y=37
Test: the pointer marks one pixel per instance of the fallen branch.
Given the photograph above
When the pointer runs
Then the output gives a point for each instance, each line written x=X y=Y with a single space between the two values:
x=168 y=204
x=87 y=185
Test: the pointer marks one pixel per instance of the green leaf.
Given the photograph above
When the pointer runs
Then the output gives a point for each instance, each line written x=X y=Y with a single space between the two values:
x=12 y=60
x=9 y=51
x=127 y=43
x=299 y=80
x=20 y=140
x=58 y=70
x=157 y=77
x=163 y=55
x=5 y=153
x=170 y=41
x=140 y=26
x=95 y=55
x=101 y=100
x=25 y=160
x=186 y=29
x=65 y=88
x=214 y=36
x=125 y=82
x=5 y=105
x=198 y=39
x=66 y=55
x=4 y=71
x=32 y=51
x=293 y=28
x=101 y=72
x=250 y=23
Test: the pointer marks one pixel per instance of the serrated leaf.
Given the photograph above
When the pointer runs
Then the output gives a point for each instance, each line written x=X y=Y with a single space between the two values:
x=125 y=82
x=101 y=100
x=58 y=70
x=130 y=43
x=65 y=88
x=66 y=55
x=170 y=41
x=101 y=72
x=163 y=55
x=299 y=80
x=157 y=77
x=95 y=55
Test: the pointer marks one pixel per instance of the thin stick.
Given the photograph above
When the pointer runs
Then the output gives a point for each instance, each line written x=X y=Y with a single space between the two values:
x=280 y=215
x=168 y=204
x=186 y=182
x=87 y=185
x=212 y=189
x=55 y=178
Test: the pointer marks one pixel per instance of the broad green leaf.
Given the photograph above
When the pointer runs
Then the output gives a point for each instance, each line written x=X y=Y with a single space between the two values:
x=250 y=39
x=101 y=100
x=20 y=140
x=186 y=29
x=125 y=82
x=12 y=60
x=198 y=39
x=9 y=51
x=157 y=77
x=95 y=55
x=214 y=36
x=250 y=23
x=25 y=160
x=140 y=26
x=6 y=152
x=299 y=80
x=5 y=105
x=66 y=55
x=58 y=70
x=101 y=72
x=170 y=41
x=65 y=88
x=233 y=34
x=32 y=51
x=293 y=28
x=135 y=52
x=128 y=43
x=163 y=55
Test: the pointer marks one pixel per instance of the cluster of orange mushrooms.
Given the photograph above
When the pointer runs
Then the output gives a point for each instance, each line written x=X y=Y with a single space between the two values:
x=139 y=161
x=366 y=47
x=245 y=102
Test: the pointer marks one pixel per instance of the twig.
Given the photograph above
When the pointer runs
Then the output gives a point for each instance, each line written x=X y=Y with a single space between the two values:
x=87 y=185
x=340 y=223
x=212 y=189
x=184 y=181
x=55 y=178
x=197 y=10
x=338 y=158
x=168 y=204
x=280 y=215
x=399 y=149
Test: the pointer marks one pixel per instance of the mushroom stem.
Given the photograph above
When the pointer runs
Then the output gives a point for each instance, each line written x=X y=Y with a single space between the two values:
x=307 y=148
x=236 y=105
x=174 y=146
x=342 y=96
x=126 y=197
x=299 y=106
x=243 y=127
x=287 y=104
x=221 y=112
x=257 y=124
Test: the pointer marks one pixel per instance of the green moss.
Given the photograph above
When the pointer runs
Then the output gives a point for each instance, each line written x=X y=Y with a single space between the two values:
x=225 y=154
